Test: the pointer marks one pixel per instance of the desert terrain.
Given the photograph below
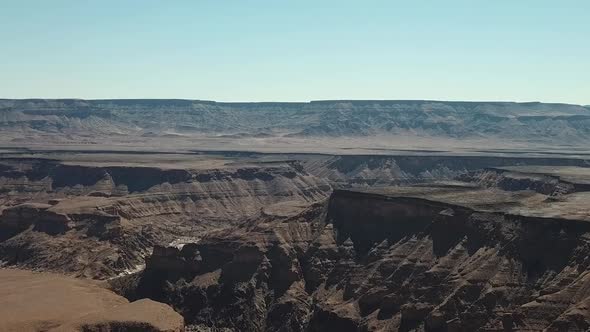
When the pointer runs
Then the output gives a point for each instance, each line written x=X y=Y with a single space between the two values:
x=169 y=215
x=38 y=301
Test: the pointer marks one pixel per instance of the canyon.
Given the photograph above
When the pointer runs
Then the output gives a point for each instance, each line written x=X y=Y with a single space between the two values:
x=321 y=216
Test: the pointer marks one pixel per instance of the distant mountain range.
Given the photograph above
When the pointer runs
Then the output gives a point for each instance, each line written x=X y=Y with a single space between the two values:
x=74 y=119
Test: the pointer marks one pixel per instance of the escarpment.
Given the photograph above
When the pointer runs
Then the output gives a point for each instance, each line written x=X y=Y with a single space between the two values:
x=101 y=221
x=379 y=262
x=514 y=181
x=375 y=170
x=331 y=125
x=262 y=242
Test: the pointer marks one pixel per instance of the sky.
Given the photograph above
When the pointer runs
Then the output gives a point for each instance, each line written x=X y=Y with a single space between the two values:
x=225 y=50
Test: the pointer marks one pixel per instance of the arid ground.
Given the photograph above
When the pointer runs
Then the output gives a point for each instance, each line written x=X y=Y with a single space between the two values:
x=163 y=215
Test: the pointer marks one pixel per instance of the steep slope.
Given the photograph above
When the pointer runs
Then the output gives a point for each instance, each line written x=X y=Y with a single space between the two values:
x=101 y=221
x=369 y=262
x=375 y=170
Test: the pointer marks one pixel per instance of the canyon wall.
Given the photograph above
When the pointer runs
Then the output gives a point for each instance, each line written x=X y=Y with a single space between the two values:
x=102 y=221
x=369 y=262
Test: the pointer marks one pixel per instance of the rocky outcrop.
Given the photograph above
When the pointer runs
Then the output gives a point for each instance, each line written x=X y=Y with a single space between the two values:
x=515 y=181
x=101 y=222
x=236 y=271
x=42 y=175
x=172 y=260
x=21 y=217
x=374 y=170
x=372 y=262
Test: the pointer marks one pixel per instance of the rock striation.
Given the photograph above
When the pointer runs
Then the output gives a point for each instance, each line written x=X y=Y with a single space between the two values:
x=373 y=262
x=89 y=121
x=101 y=221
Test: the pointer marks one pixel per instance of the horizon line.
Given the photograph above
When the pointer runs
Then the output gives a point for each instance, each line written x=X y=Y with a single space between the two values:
x=291 y=101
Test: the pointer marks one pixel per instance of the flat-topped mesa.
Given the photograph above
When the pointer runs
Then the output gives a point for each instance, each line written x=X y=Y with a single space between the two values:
x=109 y=122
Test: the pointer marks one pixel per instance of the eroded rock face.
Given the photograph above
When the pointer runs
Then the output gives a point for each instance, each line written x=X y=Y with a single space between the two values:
x=514 y=181
x=19 y=218
x=172 y=260
x=361 y=170
x=100 y=222
x=367 y=262
x=242 y=276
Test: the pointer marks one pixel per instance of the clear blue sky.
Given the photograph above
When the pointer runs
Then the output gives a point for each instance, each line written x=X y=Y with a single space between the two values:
x=520 y=50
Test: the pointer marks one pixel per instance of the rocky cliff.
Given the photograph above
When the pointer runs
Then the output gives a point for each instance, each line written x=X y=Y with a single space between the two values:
x=370 y=262
x=375 y=170
x=101 y=221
